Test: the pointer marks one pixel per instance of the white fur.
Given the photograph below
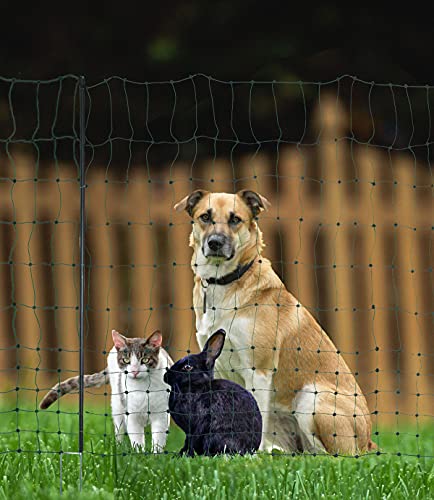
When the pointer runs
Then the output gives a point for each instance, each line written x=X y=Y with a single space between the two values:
x=305 y=403
x=146 y=401
x=238 y=337
x=237 y=359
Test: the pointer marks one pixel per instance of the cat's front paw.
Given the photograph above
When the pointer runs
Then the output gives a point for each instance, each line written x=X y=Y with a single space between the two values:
x=138 y=446
x=157 y=449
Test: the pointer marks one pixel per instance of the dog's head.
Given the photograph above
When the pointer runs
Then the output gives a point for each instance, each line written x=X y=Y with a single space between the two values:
x=224 y=224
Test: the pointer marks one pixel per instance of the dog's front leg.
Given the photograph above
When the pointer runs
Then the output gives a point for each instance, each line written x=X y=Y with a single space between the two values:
x=261 y=385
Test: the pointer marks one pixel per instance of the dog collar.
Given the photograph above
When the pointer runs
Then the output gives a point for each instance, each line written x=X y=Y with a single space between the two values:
x=236 y=274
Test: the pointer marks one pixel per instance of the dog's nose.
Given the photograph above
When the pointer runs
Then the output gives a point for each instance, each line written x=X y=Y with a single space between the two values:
x=216 y=242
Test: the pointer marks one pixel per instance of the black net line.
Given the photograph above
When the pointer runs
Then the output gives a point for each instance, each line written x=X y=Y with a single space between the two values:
x=10 y=141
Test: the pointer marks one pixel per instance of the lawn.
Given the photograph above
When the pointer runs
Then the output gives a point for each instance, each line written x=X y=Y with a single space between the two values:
x=111 y=471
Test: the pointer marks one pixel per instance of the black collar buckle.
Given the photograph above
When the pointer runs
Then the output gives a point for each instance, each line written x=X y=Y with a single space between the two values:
x=236 y=274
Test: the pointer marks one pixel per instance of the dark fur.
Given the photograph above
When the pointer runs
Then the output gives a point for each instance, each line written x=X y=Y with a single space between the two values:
x=252 y=200
x=217 y=416
x=193 y=199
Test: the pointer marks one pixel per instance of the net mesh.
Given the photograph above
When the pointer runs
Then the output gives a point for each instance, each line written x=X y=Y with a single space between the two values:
x=346 y=165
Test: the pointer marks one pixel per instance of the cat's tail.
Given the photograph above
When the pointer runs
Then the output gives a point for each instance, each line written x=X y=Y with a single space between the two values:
x=72 y=385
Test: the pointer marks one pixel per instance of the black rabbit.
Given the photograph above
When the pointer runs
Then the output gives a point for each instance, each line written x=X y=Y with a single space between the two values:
x=217 y=416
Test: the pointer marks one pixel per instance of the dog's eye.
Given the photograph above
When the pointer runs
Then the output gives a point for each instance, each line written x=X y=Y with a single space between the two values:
x=235 y=220
x=187 y=368
x=205 y=218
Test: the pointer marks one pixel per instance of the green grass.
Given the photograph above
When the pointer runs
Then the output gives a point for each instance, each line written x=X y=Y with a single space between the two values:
x=121 y=473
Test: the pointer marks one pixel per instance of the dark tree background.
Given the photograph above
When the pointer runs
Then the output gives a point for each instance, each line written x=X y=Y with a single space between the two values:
x=228 y=40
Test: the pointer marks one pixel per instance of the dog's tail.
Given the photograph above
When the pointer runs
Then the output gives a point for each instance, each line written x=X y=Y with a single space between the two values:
x=72 y=385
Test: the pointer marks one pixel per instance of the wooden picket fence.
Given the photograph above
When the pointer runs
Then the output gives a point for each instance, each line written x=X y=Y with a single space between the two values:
x=349 y=232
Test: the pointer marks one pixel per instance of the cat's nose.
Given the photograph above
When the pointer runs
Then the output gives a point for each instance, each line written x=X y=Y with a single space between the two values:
x=135 y=373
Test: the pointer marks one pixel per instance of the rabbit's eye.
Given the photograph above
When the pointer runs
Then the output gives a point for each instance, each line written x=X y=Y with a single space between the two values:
x=187 y=368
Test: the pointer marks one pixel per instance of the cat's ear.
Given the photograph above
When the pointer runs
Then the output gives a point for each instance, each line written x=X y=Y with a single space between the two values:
x=155 y=340
x=119 y=340
x=214 y=347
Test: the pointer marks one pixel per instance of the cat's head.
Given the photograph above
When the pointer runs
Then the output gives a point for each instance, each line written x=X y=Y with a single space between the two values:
x=135 y=356
x=196 y=369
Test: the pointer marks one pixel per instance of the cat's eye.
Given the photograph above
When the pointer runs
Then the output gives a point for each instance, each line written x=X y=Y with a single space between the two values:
x=187 y=368
x=235 y=220
x=144 y=361
x=126 y=360
x=205 y=218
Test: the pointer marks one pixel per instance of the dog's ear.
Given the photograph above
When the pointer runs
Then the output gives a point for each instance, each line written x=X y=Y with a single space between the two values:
x=256 y=202
x=189 y=202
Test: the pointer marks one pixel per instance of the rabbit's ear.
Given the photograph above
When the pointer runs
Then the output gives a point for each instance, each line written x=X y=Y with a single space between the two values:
x=119 y=340
x=155 y=340
x=214 y=347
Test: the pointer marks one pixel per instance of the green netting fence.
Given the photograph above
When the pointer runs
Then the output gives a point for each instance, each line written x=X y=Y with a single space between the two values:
x=90 y=242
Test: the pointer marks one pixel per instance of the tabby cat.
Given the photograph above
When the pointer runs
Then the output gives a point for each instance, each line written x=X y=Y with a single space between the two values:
x=135 y=369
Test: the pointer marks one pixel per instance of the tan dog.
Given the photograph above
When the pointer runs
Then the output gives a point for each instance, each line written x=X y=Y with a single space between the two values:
x=309 y=399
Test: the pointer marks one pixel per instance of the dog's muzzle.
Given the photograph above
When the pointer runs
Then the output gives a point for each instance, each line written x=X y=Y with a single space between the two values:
x=218 y=245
